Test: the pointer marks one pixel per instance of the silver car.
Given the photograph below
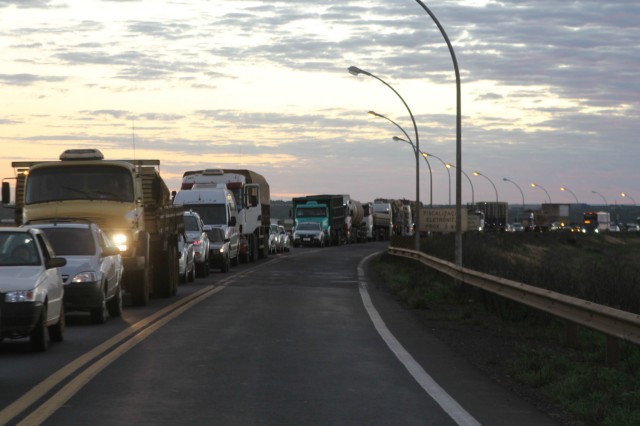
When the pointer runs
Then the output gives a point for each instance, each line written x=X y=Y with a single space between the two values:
x=93 y=274
x=186 y=262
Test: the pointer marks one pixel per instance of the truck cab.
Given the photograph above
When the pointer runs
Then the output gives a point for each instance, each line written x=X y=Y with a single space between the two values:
x=217 y=207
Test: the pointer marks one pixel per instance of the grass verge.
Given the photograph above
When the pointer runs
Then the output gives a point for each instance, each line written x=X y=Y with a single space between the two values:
x=526 y=348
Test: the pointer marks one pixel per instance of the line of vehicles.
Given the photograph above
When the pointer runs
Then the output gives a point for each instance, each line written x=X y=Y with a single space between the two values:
x=97 y=231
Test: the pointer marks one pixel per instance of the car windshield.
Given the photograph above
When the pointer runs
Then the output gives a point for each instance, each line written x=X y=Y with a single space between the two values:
x=191 y=223
x=309 y=227
x=71 y=241
x=79 y=183
x=18 y=249
x=216 y=235
x=211 y=214
x=311 y=212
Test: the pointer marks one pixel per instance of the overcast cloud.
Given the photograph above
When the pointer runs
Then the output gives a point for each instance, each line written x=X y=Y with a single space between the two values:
x=551 y=91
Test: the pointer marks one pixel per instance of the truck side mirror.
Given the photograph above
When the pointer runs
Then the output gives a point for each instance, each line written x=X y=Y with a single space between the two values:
x=6 y=193
x=232 y=221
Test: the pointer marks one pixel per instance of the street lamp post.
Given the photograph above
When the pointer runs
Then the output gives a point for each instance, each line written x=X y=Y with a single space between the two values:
x=473 y=201
x=458 y=238
x=601 y=196
x=356 y=71
x=492 y=184
x=563 y=188
x=624 y=194
x=519 y=189
x=426 y=154
x=395 y=138
x=535 y=185
x=410 y=142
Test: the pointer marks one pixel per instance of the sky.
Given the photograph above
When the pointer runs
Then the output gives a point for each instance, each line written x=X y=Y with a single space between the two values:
x=550 y=93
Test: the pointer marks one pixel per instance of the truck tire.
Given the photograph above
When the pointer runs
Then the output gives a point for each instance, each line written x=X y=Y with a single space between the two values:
x=139 y=283
x=166 y=281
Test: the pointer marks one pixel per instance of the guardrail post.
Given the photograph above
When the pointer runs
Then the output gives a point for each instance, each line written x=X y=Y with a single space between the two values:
x=571 y=334
x=612 y=354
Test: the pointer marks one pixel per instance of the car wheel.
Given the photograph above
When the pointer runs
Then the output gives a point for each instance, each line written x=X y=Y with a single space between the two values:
x=39 y=337
x=56 y=331
x=114 y=306
x=192 y=274
x=99 y=314
x=225 y=265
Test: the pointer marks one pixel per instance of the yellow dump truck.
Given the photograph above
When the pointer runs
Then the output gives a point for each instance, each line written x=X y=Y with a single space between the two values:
x=127 y=198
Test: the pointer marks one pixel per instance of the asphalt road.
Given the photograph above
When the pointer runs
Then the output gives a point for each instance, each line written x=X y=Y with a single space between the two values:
x=299 y=338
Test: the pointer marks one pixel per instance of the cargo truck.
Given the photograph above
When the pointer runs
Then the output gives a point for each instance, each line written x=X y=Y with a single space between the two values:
x=330 y=211
x=596 y=222
x=253 y=202
x=127 y=198
x=382 y=220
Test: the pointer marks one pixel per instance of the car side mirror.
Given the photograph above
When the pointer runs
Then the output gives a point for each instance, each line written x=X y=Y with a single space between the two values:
x=110 y=251
x=55 y=262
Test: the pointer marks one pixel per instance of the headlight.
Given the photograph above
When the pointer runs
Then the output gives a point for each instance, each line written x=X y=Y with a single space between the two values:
x=221 y=250
x=20 y=296
x=121 y=241
x=85 y=277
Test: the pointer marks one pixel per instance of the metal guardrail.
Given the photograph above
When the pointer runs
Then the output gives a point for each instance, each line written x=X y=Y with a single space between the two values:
x=612 y=322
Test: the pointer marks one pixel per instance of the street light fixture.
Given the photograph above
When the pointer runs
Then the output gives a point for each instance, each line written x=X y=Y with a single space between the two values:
x=473 y=201
x=357 y=71
x=426 y=154
x=601 y=196
x=519 y=189
x=395 y=138
x=490 y=181
x=571 y=192
x=458 y=238
x=624 y=194
x=535 y=185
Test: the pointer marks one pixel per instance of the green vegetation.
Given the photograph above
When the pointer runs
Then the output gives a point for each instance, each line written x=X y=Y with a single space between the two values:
x=601 y=268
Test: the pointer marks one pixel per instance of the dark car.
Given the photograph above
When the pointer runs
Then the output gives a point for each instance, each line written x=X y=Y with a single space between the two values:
x=218 y=248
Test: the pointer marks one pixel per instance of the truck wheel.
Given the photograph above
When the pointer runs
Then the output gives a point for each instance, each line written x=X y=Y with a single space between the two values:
x=56 y=331
x=140 y=288
x=39 y=337
x=114 y=306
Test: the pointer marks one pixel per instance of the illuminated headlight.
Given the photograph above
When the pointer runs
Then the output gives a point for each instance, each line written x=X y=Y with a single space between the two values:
x=20 y=296
x=85 y=277
x=121 y=241
x=221 y=250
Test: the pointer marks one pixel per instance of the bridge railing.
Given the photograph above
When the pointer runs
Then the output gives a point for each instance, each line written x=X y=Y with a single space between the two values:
x=614 y=323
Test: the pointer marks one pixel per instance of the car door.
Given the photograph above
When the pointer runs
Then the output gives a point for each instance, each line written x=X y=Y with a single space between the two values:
x=108 y=262
x=53 y=280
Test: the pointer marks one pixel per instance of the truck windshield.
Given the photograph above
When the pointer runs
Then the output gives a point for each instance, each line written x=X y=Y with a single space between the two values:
x=211 y=214
x=311 y=212
x=79 y=183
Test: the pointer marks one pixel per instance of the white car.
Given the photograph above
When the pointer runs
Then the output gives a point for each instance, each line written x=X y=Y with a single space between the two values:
x=92 y=276
x=30 y=287
x=196 y=235
x=308 y=234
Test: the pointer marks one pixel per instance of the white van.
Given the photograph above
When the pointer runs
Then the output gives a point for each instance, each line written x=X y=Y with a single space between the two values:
x=216 y=206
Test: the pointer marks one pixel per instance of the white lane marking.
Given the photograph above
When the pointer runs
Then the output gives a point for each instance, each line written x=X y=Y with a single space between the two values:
x=446 y=402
